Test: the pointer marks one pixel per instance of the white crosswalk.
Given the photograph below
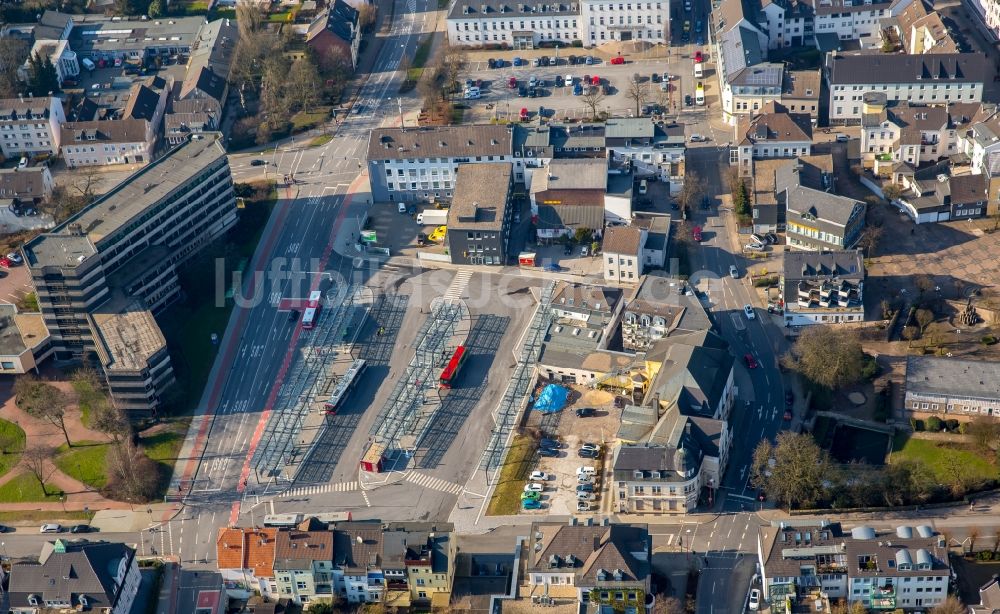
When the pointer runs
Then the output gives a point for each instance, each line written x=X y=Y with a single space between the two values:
x=458 y=285
x=427 y=481
x=320 y=489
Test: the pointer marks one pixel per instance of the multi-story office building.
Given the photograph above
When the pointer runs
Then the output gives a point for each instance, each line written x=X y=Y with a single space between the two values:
x=626 y=20
x=958 y=388
x=30 y=126
x=407 y=164
x=906 y=569
x=480 y=215
x=929 y=78
x=102 y=274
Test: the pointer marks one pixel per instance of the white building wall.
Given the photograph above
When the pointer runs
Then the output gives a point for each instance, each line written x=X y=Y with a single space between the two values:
x=602 y=21
x=617 y=209
x=101 y=153
x=34 y=136
x=622 y=268
x=784 y=149
x=845 y=100
x=499 y=28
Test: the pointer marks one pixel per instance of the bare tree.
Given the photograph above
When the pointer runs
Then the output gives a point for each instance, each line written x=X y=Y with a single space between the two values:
x=249 y=18
x=973 y=536
x=827 y=356
x=303 y=83
x=692 y=189
x=452 y=61
x=924 y=318
x=37 y=460
x=131 y=474
x=367 y=14
x=892 y=191
x=108 y=419
x=637 y=92
x=869 y=239
x=924 y=283
x=668 y=605
x=951 y=605
x=592 y=99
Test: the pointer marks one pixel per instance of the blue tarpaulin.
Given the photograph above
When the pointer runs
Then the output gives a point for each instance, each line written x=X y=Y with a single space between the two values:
x=552 y=399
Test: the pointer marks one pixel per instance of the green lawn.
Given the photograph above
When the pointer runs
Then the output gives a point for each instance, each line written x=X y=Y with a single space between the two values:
x=86 y=461
x=12 y=438
x=514 y=474
x=321 y=140
x=423 y=52
x=306 y=121
x=90 y=396
x=25 y=489
x=943 y=459
x=41 y=516
x=283 y=17
x=163 y=447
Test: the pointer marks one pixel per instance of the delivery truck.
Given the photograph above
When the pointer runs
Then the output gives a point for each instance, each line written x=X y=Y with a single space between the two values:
x=432 y=217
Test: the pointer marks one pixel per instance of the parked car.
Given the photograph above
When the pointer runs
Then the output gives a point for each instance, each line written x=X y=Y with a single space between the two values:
x=584 y=453
x=584 y=412
x=51 y=528
x=787 y=417
x=524 y=113
x=585 y=478
x=620 y=402
x=559 y=81
x=517 y=61
x=771 y=238
x=15 y=258
x=533 y=487
x=583 y=506
x=698 y=58
x=5 y=529
x=617 y=60
x=538 y=476
x=257 y=162
x=586 y=470
x=749 y=312
x=843 y=138
x=750 y=360
x=586 y=496
x=754 y=603
x=688 y=101
x=512 y=82
x=577 y=90
x=572 y=60
x=491 y=63
x=531 y=504
x=545 y=442
x=548 y=452
x=584 y=488
x=5 y=263
x=696 y=234
x=591 y=446
x=585 y=250
x=655 y=77
x=595 y=80
x=535 y=61
x=697 y=138
x=81 y=528
x=589 y=60
x=528 y=494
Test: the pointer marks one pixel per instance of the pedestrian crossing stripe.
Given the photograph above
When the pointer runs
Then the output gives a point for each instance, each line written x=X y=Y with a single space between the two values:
x=320 y=489
x=458 y=285
x=433 y=483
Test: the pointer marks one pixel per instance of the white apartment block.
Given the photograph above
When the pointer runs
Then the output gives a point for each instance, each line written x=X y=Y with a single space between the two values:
x=906 y=569
x=917 y=79
x=30 y=126
x=622 y=254
x=526 y=25
x=100 y=143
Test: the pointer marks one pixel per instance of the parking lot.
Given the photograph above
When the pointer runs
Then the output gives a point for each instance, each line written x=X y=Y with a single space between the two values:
x=560 y=495
x=499 y=100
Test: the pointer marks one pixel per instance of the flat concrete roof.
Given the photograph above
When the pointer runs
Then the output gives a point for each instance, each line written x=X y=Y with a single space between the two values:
x=74 y=240
x=128 y=333
x=19 y=332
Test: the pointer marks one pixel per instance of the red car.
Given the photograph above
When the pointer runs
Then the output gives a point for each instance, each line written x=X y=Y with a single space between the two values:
x=595 y=80
x=5 y=262
x=788 y=416
x=524 y=114
x=698 y=59
x=750 y=360
x=618 y=60
x=696 y=233
x=512 y=83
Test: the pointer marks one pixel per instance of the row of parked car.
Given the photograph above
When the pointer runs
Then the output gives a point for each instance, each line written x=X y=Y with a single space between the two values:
x=545 y=60
x=586 y=491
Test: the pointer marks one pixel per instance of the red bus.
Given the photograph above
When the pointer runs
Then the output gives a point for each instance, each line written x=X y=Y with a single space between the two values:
x=454 y=366
x=313 y=306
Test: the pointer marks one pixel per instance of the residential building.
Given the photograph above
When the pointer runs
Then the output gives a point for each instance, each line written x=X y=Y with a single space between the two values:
x=106 y=39
x=480 y=215
x=602 y=21
x=63 y=58
x=695 y=375
x=518 y=25
x=25 y=186
x=823 y=287
x=930 y=78
x=207 y=75
x=30 y=126
x=245 y=558
x=604 y=565
x=101 y=143
x=568 y=195
x=941 y=192
x=914 y=134
x=774 y=133
x=303 y=565
x=987 y=12
x=102 y=274
x=357 y=562
x=767 y=214
x=989 y=598
x=187 y=117
x=658 y=308
x=747 y=81
x=622 y=254
x=24 y=341
x=407 y=164
x=419 y=563
x=952 y=386
x=76 y=576
x=906 y=569
x=800 y=93
x=335 y=34
x=850 y=21
x=651 y=149
x=655 y=247
x=816 y=218
x=918 y=29
x=670 y=476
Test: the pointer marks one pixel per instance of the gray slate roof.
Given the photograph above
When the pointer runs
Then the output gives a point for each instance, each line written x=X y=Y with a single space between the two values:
x=481 y=193
x=846 y=264
x=885 y=68
x=492 y=9
x=443 y=142
x=953 y=376
x=82 y=569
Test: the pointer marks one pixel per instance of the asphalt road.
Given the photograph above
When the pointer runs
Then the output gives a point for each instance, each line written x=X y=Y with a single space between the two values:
x=262 y=338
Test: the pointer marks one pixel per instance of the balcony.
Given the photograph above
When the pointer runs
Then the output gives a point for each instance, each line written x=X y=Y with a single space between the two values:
x=883 y=597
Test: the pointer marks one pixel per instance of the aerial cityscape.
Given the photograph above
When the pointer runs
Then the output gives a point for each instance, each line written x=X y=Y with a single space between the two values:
x=658 y=307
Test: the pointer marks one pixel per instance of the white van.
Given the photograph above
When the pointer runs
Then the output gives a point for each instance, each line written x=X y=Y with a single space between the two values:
x=642 y=187
x=88 y=64
x=586 y=470
x=698 y=72
x=472 y=93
